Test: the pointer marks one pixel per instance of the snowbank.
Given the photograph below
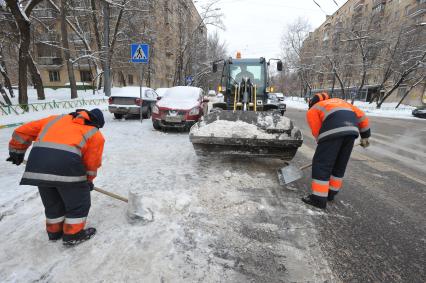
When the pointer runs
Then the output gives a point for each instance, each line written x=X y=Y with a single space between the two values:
x=387 y=110
x=238 y=129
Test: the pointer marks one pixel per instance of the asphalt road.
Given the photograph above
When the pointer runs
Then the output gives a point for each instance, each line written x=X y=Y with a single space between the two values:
x=375 y=231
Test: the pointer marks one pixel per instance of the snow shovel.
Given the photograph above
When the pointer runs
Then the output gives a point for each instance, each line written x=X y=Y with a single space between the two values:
x=291 y=173
x=134 y=209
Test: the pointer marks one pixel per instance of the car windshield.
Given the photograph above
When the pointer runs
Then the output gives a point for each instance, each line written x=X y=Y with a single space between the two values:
x=273 y=96
x=253 y=71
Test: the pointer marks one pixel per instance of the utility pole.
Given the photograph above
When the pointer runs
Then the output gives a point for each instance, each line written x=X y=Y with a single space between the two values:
x=107 y=70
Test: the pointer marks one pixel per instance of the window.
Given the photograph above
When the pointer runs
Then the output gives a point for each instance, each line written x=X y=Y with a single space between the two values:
x=86 y=76
x=54 y=76
x=130 y=79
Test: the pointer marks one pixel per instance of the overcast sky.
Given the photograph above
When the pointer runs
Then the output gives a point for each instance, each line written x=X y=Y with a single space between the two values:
x=254 y=27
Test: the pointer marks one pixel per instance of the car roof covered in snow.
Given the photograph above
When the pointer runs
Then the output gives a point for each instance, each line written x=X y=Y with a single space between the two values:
x=129 y=91
x=181 y=97
x=183 y=91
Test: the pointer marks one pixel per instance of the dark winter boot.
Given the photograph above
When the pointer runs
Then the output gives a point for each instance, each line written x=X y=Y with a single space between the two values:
x=54 y=236
x=80 y=237
x=320 y=202
x=331 y=195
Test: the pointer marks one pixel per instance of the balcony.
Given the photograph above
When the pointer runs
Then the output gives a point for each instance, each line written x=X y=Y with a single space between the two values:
x=418 y=10
x=45 y=13
x=49 y=61
x=358 y=5
x=49 y=37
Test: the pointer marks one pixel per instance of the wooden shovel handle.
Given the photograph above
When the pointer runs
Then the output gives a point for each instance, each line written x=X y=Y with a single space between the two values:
x=306 y=166
x=111 y=194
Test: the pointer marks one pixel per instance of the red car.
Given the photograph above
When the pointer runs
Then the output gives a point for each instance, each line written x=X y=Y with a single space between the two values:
x=180 y=107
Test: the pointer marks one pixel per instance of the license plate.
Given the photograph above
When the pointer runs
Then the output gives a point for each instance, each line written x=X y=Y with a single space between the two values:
x=173 y=119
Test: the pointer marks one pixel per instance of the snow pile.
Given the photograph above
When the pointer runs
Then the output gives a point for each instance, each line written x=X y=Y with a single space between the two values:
x=387 y=110
x=271 y=122
x=230 y=129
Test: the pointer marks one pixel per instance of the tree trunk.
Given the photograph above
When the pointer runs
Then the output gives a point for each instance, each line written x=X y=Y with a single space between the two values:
x=23 y=62
x=107 y=70
x=24 y=24
x=3 y=71
x=66 y=50
x=36 y=78
x=4 y=95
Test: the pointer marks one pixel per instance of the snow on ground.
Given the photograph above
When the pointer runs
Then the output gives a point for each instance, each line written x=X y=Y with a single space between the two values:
x=215 y=219
x=387 y=110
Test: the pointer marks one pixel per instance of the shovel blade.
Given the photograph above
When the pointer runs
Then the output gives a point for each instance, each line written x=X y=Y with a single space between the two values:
x=289 y=174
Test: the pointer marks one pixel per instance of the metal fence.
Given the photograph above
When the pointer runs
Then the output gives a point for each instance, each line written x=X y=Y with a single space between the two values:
x=36 y=107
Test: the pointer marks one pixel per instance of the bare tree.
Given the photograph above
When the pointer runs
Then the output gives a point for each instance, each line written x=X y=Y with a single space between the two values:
x=21 y=16
x=66 y=48
x=293 y=53
x=191 y=51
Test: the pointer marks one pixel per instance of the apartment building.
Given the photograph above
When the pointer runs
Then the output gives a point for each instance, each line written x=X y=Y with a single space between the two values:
x=375 y=25
x=167 y=25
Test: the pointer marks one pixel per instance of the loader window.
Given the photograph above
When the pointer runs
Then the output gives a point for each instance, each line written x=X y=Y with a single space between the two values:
x=254 y=72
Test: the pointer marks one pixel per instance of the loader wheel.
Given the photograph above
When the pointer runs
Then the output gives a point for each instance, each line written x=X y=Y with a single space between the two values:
x=118 y=116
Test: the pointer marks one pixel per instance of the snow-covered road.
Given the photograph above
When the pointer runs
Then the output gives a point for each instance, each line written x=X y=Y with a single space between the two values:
x=215 y=219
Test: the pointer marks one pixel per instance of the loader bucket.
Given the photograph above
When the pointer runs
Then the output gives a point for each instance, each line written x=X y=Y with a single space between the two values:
x=260 y=134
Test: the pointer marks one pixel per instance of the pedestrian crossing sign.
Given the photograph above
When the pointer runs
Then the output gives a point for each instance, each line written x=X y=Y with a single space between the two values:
x=139 y=53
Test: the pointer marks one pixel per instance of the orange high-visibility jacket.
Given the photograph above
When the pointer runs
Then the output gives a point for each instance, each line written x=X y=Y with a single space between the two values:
x=67 y=150
x=335 y=117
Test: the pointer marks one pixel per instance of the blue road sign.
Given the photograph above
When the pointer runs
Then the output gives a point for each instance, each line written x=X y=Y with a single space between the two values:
x=139 y=53
x=189 y=80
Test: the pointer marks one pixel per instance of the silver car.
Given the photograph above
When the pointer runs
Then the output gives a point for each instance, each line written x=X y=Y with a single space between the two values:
x=126 y=101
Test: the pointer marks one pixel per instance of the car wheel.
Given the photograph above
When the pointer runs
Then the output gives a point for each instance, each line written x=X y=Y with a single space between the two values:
x=118 y=116
x=147 y=115
x=156 y=125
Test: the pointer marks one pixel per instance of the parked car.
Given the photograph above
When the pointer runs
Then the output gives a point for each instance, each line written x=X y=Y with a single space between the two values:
x=180 y=107
x=420 y=112
x=161 y=91
x=280 y=96
x=127 y=101
x=274 y=98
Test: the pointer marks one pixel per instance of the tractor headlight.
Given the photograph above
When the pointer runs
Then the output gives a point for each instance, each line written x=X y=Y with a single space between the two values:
x=194 y=111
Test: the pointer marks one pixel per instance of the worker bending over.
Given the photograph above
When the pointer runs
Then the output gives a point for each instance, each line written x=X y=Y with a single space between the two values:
x=63 y=162
x=335 y=124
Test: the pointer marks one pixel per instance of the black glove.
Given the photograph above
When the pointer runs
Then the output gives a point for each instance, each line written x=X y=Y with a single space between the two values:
x=91 y=186
x=16 y=158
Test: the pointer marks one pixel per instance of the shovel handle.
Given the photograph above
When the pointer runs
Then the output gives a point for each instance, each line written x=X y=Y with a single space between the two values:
x=103 y=191
x=111 y=194
x=306 y=166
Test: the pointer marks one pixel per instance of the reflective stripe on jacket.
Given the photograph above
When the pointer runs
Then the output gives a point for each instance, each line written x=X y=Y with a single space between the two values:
x=67 y=150
x=335 y=117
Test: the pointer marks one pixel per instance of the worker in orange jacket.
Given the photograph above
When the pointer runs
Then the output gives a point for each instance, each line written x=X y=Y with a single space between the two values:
x=63 y=163
x=335 y=124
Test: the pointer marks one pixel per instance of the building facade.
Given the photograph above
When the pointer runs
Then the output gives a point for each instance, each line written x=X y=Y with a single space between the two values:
x=173 y=28
x=366 y=47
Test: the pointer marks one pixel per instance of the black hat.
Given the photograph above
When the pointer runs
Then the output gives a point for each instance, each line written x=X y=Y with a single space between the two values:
x=317 y=98
x=98 y=117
